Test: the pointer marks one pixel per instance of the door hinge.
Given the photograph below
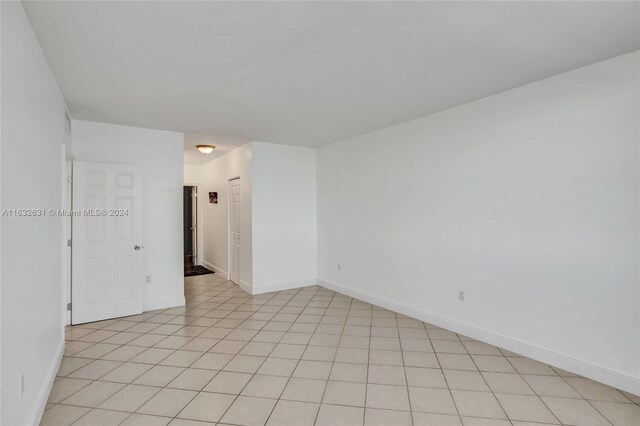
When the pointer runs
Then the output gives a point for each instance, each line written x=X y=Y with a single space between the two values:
x=69 y=306
x=69 y=179
x=68 y=243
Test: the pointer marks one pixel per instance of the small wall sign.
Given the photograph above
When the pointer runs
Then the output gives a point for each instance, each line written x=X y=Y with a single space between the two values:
x=213 y=197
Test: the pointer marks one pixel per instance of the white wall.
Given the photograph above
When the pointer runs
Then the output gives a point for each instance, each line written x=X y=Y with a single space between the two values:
x=159 y=154
x=527 y=200
x=192 y=173
x=215 y=177
x=277 y=215
x=33 y=136
x=284 y=216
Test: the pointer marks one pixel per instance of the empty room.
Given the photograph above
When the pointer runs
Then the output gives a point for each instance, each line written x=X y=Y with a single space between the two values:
x=320 y=213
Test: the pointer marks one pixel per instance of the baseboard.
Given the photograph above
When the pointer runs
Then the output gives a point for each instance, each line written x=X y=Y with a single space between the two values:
x=576 y=366
x=221 y=272
x=246 y=286
x=268 y=288
x=43 y=395
x=153 y=305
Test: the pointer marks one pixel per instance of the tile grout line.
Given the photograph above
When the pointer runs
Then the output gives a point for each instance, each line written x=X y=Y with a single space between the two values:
x=299 y=359
x=233 y=301
x=324 y=391
x=222 y=369
x=163 y=387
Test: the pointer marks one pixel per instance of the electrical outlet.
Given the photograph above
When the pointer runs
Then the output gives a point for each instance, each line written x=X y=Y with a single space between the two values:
x=21 y=386
x=147 y=279
x=461 y=295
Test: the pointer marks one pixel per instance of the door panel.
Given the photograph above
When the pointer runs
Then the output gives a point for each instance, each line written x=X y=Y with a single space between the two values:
x=94 y=178
x=107 y=270
x=124 y=224
x=93 y=275
x=94 y=225
x=234 y=230
x=124 y=269
x=124 y=180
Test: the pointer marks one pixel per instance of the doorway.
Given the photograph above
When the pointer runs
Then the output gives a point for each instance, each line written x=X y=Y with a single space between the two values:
x=190 y=225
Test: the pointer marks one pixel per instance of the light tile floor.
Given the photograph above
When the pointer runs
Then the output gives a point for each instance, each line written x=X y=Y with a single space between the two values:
x=303 y=357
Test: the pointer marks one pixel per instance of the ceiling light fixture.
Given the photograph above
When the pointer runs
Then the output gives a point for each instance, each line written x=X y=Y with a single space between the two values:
x=205 y=149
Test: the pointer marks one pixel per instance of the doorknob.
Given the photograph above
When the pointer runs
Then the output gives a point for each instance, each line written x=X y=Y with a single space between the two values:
x=137 y=247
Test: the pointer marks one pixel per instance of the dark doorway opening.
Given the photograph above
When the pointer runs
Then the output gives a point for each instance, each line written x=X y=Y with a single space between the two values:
x=190 y=232
x=189 y=199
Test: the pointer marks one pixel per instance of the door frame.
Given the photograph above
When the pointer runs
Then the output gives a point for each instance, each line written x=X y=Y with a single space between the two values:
x=67 y=198
x=229 y=229
x=67 y=226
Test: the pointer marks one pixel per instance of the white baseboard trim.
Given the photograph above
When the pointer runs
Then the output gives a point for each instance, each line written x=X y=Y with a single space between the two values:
x=43 y=395
x=576 y=366
x=268 y=288
x=221 y=272
x=153 y=305
x=246 y=287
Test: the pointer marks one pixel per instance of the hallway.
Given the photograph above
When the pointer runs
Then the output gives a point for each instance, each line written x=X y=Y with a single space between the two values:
x=307 y=356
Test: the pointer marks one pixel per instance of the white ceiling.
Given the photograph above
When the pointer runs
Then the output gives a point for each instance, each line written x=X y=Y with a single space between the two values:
x=309 y=73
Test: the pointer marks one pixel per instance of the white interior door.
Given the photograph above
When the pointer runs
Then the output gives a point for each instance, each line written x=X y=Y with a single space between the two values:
x=234 y=230
x=107 y=260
